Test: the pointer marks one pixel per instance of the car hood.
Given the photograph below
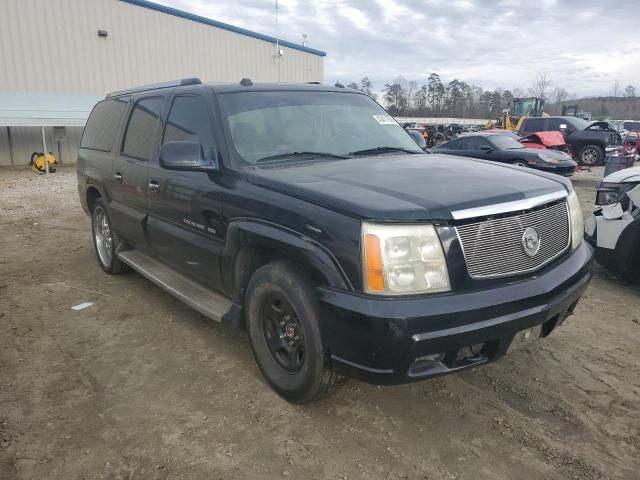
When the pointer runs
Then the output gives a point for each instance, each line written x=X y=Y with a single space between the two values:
x=404 y=187
x=528 y=152
x=627 y=175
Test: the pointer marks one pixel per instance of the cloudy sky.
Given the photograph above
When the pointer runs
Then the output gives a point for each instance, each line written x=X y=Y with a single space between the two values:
x=583 y=45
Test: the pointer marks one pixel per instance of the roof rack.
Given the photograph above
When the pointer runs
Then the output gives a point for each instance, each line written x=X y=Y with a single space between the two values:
x=153 y=86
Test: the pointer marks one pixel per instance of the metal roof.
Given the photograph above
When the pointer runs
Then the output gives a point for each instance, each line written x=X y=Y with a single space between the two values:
x=224 y=26
x=28 y=109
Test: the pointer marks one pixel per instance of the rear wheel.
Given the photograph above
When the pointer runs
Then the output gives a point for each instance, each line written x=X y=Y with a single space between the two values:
x=283 y=317
x=106 y=240
x=590 y=155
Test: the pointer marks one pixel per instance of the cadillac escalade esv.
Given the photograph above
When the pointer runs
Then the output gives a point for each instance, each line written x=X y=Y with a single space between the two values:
x=308 y=216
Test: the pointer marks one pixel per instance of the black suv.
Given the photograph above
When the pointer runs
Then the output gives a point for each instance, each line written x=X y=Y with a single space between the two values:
x=589 y=142
x=308 y=216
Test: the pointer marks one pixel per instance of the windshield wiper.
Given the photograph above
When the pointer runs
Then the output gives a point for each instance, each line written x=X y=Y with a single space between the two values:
x=380 y=150
x=301 y=154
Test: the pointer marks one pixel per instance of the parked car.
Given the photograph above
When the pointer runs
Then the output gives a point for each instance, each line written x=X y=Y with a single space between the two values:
x=503 y=148
x=590 y=145
x=306 y=215
x=547 y=140
x=614 y=228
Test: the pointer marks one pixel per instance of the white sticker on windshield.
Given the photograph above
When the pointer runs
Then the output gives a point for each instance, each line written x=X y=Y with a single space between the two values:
x=385 y=120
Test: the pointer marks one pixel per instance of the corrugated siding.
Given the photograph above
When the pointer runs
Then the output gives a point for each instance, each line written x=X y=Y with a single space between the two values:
x=143 y=46
x=26 y=140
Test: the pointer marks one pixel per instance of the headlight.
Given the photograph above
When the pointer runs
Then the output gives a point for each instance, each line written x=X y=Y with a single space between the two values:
x=403 y=259
x=577 y=223
x=547 y=158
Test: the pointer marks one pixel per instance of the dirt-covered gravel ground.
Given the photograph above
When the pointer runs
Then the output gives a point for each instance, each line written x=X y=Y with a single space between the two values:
x=140 y=386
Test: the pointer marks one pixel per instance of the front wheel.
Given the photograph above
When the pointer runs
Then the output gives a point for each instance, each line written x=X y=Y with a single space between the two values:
x=283 y=316
x=590 y=156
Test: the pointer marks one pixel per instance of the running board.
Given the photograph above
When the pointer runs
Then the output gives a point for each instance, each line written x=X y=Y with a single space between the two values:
x=208 y=302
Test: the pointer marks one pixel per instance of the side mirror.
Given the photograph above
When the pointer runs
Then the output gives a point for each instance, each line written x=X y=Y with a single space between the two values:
x=186 y=156
x=486 y=149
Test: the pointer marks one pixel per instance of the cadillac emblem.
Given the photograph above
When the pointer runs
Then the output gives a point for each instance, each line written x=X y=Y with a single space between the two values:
x=531 y=241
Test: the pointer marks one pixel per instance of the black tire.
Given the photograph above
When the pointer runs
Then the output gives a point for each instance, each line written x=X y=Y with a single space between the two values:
x=275 y=330
x=520 y=163
x=627 y=255
x=590 y=156
x=109 y=263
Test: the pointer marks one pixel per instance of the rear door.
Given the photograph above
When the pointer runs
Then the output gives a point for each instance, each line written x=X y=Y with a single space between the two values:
x=129 y=175
x=184 y=224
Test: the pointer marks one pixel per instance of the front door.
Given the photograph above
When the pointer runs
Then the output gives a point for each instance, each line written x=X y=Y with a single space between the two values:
x=128 y=205
x=185 y=208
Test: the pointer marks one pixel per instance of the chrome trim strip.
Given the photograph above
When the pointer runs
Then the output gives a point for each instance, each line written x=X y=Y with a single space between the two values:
x=507 y=207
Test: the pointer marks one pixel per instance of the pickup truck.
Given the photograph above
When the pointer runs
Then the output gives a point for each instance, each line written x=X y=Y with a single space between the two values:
x=589 y=142
x=306 y=215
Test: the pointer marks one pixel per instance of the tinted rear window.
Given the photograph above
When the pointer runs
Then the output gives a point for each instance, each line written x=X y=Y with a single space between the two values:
x=143 y=123
x=103 y=125
x=533 y=124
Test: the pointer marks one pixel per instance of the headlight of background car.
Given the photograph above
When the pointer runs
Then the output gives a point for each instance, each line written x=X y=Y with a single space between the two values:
x=577 y=223
x=403 y=259
x=547 y=158
x=609 y=193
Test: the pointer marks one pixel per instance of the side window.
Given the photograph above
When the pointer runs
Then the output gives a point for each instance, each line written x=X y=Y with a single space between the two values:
x=103 y=125
x=533 y=125
x=554 y=123
x=189 y=121
x=143 y=122
x=454 y=145
x=474 y=143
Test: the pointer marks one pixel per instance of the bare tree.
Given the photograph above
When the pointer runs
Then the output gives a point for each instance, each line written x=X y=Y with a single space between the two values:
x=615 y=89
x=541 y=84
x=559 y=95
x=518 y=92
x=630 y=91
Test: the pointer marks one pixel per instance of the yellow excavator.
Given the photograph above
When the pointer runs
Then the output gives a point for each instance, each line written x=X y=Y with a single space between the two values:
x=519 y=110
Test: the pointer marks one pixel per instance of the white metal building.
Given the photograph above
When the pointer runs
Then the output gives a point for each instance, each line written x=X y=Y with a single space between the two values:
x=92 y=47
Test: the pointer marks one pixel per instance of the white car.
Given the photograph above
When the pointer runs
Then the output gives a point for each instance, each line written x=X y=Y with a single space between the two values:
x=614 y=228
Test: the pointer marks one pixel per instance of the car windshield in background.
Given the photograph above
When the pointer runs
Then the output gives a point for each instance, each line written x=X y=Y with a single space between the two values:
x=579 y=123
x=505 y=142
x=632 y=126
x=294 y=125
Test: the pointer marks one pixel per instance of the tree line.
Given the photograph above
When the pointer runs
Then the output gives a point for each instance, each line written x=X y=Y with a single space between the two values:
x=435 y=98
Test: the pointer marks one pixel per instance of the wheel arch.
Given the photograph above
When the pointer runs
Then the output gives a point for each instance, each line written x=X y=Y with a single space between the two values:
x=252 y=243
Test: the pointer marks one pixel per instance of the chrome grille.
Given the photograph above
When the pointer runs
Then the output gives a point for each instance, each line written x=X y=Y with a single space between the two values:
x=494 y=248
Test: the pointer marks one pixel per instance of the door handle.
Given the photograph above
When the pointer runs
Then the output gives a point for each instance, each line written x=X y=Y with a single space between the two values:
x=153 y=185
x=117 y=177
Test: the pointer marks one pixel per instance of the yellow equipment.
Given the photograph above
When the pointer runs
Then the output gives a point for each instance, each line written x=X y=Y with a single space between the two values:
x=37 y=162
x=520 y=109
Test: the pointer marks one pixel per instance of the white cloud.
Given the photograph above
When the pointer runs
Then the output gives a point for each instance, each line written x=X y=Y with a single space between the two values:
x=584 y=45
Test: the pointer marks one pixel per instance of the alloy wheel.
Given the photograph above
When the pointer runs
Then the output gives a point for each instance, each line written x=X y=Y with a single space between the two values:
x=103 y=237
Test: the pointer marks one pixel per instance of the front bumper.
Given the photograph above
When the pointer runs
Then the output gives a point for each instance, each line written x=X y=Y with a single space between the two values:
x=399 y=340
x=566 y=169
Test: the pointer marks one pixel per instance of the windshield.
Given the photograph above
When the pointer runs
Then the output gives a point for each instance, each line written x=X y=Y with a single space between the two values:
x=579 y=123
x=505 y=142
x=271 y=125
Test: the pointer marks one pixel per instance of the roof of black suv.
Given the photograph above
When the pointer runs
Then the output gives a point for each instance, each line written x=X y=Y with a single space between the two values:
x=242 y=86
